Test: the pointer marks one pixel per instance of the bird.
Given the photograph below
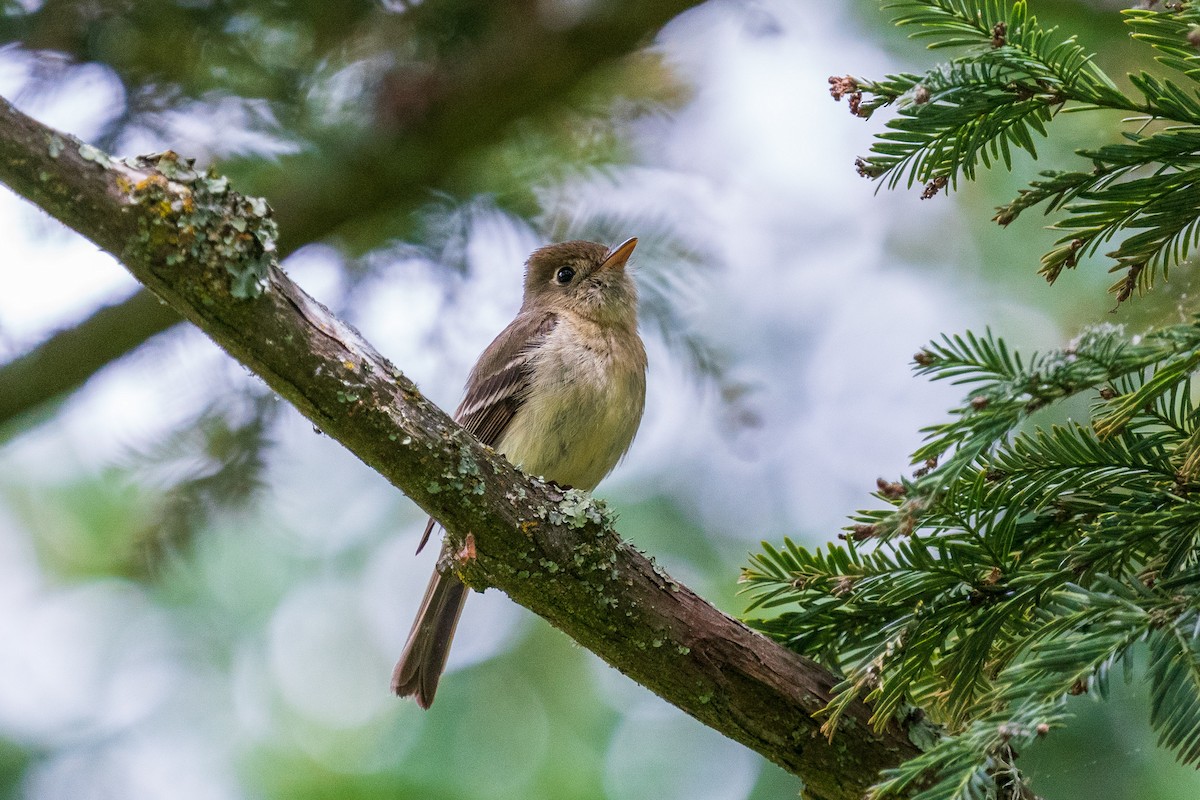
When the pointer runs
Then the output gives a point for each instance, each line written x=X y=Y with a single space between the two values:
x=559 y=392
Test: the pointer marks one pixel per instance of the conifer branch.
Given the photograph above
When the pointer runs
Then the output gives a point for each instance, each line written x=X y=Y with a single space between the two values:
x=1020 y=564
x=1005 y=91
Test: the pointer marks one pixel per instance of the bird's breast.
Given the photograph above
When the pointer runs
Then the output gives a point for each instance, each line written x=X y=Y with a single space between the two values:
x=583 y=407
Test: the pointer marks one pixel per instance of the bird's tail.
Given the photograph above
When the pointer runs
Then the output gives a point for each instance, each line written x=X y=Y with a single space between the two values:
x=424 y=656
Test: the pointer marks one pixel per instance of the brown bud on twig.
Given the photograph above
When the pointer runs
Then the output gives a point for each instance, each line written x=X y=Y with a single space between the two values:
x=840 y=86
x=866 y=169
x=889 y=489
x=979 y=402
x=1129 y=285
x=929 y=465
x=934 y=186
x=1004 y=215
x=861 y=533
x=999 y=34
x=920 y=95
x=924 y=358
x=844 y=586
x=1073 y=254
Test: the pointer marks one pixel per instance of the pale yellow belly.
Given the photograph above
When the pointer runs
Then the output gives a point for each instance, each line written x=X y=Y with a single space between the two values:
x=580 y=417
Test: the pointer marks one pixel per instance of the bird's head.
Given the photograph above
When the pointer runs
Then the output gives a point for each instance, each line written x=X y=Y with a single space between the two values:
x=584 y=278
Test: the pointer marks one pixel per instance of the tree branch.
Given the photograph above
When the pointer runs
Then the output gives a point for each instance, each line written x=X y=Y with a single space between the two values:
x=207 y=252
x=64 y=362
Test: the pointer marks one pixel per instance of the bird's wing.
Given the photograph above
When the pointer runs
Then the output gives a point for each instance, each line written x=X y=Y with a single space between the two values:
x=499 y=381
x=500 y=378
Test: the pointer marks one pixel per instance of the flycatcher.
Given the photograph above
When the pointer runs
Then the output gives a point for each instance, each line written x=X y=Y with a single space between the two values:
x=559 y=392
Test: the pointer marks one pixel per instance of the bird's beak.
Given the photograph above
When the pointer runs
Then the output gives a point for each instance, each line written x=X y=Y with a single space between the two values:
x=620 y=254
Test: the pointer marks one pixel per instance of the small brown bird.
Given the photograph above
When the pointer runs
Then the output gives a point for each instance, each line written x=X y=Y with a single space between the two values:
x=559 y=392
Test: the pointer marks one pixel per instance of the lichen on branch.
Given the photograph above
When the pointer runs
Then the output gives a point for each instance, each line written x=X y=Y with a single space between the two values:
x=195 y=218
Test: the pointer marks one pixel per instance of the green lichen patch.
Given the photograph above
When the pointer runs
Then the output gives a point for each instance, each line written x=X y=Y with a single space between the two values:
x=195 y=218
x=578 y=508
x=468 y=468
x=86 y=152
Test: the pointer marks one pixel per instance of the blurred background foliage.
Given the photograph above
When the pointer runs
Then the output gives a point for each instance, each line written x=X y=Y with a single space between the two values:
x=201 y=597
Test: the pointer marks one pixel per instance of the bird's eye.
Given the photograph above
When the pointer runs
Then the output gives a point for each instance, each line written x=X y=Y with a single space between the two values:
x=564 y=275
